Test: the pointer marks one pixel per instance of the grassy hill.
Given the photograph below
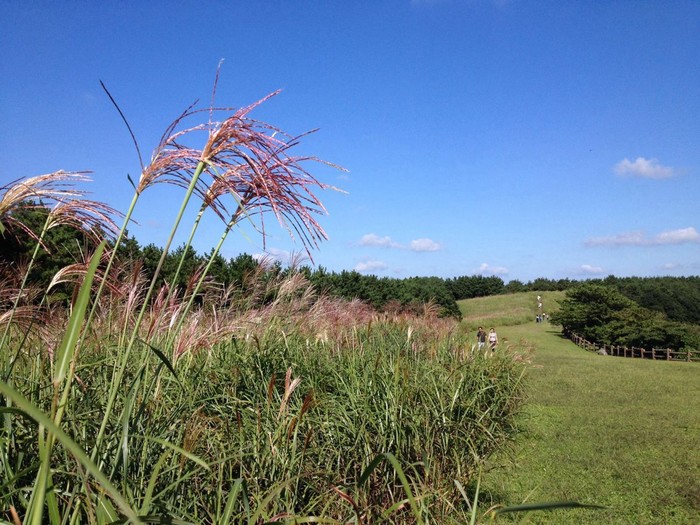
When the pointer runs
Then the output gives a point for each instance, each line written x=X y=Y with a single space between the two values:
x=622 y=433
x=507 y=310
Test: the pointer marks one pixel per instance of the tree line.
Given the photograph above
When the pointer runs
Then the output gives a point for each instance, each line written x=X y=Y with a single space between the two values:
x=672 y=298
x=65 y=245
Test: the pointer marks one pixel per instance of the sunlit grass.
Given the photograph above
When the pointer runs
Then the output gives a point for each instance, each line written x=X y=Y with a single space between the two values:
x=622 y=433
x=292 y=421
x=507 y=309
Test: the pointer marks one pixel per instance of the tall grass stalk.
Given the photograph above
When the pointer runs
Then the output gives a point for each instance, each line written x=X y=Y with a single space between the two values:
x=49 y=428
x=116 y=385
x=281 y=415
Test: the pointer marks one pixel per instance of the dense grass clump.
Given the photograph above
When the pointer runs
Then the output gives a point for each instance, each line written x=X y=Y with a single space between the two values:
x=275 y=423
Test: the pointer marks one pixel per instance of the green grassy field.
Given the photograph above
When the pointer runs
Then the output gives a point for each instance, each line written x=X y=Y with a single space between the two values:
x=622 y=433
x=507 y=310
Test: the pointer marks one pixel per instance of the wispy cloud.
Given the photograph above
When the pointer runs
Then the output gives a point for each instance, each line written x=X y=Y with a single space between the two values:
x=677 y=236
x=372 y=239
x=417 y=245
x=370 y=265
x=283 y=257
x=587 y=269
x=487 y=269
x=686 y=267
x=425 y=245
x=671 y=266
x=645 y=168
x=639 y=238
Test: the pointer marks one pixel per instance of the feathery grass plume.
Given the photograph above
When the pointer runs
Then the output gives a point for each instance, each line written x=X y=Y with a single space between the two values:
x=30 y=192
x=75 y=273
x=246 y=160
x=30 y=321
x=194 y=335
x=130 y=281
x=69 y=209
x=162 y=314
x=92 y=217
x=251 y=164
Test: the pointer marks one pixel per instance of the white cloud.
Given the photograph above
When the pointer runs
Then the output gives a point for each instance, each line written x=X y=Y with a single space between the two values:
x=591 y=270
x=417 y=245
x=485 y=268
x=638 y=238
x=370 y=266
x=425 y=245
x=677 y=236
x=372 y=239
x=641 y=167
x=273 y=255
x=621 y=239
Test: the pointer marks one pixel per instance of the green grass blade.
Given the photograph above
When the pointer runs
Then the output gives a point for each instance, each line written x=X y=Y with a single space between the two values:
x=164 y=359
x=106 y=513
x=239 y=487
x=71 y=446
x=180 y=450
x=72 y=334
x=146 y=505
x=388 y=456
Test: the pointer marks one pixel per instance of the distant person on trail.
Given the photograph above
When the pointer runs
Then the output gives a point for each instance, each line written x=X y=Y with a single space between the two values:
x=481 y=337
x=493 y=339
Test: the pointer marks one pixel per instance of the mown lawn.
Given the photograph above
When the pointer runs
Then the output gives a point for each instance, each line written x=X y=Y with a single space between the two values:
x=623 y=433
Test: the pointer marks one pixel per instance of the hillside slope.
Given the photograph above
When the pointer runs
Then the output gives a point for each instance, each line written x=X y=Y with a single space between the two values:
x=617 y=432
x=507 y=309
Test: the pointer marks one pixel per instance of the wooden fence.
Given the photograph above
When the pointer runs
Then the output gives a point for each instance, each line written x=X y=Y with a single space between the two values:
x=665 y=354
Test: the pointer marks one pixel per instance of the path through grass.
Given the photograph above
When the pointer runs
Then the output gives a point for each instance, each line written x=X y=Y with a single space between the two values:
x=624 y=433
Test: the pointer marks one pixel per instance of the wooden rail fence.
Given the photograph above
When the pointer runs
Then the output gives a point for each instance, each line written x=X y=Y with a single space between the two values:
x=665 y=354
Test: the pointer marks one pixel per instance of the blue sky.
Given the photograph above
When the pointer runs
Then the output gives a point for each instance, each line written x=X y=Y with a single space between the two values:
x=510 y=138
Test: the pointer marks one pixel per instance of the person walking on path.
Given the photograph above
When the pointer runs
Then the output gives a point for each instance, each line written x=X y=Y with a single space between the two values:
x=493 y=339
x=481 y=337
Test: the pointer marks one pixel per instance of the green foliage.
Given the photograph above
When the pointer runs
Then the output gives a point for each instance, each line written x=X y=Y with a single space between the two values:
x=603 y=314
x=549 y=285
x=588 y=309
x=678 y=298
x=385 y=293
x=475 y=286
x=515 y=286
